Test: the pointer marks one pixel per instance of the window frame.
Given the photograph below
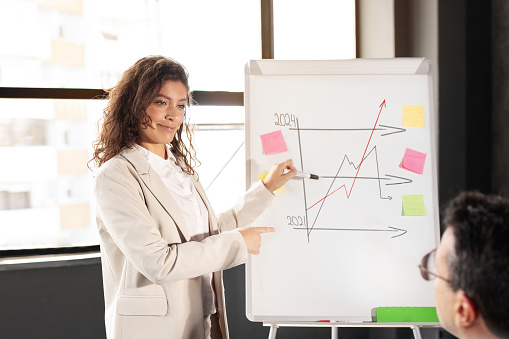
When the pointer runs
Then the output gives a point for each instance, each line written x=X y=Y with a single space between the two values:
x=203 y=98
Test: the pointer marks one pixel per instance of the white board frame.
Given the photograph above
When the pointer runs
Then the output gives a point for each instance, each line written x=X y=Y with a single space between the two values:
x=370 y=68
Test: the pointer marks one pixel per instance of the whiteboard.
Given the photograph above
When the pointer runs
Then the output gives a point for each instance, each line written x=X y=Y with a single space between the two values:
x=351 y=241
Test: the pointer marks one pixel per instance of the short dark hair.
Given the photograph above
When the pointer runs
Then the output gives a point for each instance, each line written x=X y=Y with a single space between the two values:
x=480 y=264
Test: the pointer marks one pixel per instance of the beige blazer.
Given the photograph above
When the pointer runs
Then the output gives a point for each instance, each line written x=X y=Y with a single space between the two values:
x=151 y=269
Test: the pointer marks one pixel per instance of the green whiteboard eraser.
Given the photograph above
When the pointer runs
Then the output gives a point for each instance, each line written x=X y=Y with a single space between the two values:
x=406 y=315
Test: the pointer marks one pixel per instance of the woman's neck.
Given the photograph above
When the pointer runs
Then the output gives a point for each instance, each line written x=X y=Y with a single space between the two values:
x=157 y=149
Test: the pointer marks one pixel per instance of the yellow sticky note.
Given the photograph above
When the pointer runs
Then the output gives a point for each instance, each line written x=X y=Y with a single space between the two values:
x=262 y=176
x=413 y=205
x=413 y=116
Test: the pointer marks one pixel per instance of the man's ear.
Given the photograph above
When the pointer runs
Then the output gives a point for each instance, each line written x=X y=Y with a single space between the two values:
x=465 y=312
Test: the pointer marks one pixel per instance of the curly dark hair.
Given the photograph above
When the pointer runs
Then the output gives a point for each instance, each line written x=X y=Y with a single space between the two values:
x=480 y=263
x=127 y=102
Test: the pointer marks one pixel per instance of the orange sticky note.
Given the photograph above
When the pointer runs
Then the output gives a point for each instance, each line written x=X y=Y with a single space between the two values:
x=413 y=161
x=413 y=116
x=273 y=143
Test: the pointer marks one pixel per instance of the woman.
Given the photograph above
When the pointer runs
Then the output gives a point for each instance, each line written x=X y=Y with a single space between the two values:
x=162 y=247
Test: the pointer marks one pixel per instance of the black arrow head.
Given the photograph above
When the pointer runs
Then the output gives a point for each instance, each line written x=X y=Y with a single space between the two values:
x=398 y=229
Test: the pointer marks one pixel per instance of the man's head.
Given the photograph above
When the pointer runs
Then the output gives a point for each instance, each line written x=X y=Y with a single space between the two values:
x=473 y=259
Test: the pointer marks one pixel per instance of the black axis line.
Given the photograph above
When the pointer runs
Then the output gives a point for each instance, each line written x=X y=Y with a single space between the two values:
x=303 y=181
x=398 y=129
x=337 y=129
x=391 y=229
x=406 y=180
x=344 y=177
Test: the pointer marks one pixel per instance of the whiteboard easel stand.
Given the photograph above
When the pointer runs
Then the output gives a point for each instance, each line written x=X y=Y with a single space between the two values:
x=334 y=332
x=415 y=327
x=417 y=332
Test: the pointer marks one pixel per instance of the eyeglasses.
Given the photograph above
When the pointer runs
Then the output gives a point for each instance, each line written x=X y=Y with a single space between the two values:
x=427 y=267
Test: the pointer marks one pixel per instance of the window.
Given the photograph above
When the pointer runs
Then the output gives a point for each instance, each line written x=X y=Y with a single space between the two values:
x=45 y=187
x=72 y=50
x=318 y=30
x=89 y=43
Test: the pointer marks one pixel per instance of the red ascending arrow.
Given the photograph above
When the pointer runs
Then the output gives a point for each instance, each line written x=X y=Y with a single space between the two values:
x=382 y=105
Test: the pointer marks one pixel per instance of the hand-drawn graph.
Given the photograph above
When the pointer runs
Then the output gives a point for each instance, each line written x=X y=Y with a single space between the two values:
x=351 y=240
x=309 y=224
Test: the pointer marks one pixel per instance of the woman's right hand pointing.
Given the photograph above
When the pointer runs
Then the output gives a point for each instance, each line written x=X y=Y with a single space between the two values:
x=253 y=239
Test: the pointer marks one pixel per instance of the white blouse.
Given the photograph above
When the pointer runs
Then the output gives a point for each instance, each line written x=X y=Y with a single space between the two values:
x=181 y=188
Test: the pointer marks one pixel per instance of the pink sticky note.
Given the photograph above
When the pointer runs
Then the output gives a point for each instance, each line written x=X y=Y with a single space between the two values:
x=413 y=161
x=273 y=142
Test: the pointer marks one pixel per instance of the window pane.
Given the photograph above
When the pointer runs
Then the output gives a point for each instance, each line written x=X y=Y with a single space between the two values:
x=321 y=29
x=219 y=139
x=89 y=43
x=46 y=197
x=46 y=188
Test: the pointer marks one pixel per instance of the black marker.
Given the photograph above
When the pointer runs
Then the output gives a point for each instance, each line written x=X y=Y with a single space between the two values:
x=304 y=175
x=307 y=175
